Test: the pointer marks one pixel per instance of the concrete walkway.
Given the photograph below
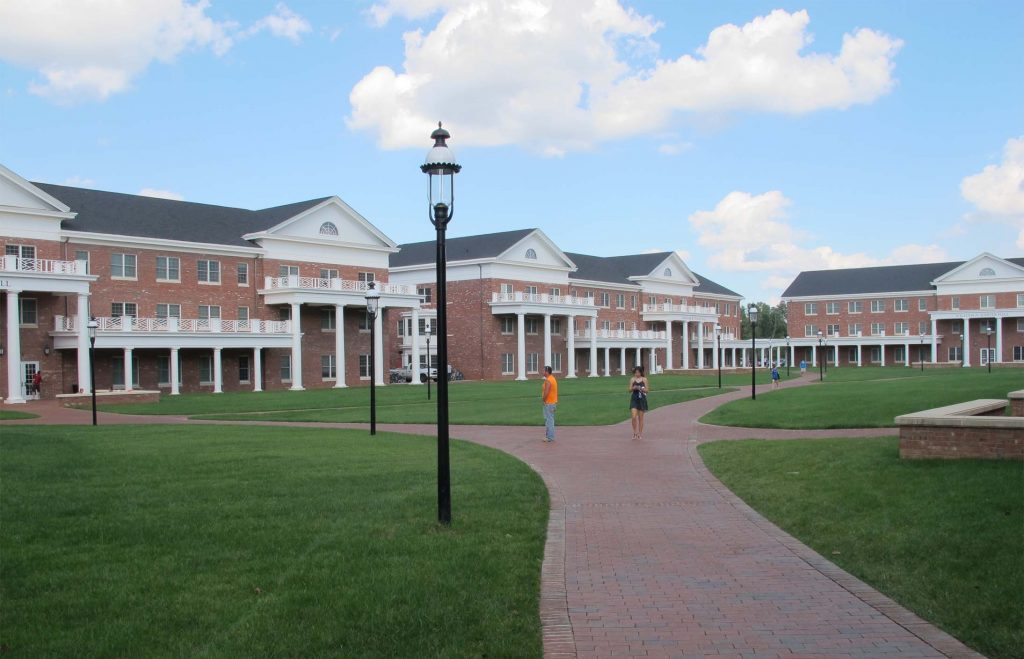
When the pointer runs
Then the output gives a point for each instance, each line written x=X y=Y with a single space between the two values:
x=649 y=555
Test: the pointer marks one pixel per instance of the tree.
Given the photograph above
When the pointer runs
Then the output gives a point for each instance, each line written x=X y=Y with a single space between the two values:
x=771 y=321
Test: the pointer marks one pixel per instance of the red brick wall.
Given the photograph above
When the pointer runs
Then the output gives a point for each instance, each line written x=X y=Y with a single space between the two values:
x=950 y=443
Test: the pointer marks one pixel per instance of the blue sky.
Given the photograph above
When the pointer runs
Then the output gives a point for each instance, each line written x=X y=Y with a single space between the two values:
x=758 y=139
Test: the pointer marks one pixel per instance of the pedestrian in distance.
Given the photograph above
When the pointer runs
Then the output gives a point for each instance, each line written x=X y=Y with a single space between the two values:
x=638 y=390
x=803 y=366
x=549 y=399
x=775 y=377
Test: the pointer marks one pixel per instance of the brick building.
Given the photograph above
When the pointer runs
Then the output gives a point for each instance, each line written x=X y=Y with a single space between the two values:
x=965 y=313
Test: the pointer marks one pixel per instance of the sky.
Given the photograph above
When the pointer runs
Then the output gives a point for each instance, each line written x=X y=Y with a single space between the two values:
x=757 y=139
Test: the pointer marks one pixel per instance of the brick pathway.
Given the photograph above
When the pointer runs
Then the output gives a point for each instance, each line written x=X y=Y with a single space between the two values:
x=649 y=555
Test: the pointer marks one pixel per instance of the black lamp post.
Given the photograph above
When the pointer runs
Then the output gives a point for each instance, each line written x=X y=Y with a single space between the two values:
x=988 y=351
x=92 y=325
x=718 y=352
x=372 y=306
x=821 y=356
x=789 y=355
x=441 y=167
x=428 y=331
x=752 y=315
x=963 y=355
x=920 y=353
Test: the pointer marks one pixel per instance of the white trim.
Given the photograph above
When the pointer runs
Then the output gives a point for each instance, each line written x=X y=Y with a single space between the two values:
x=332 y=200
x=35 y=192
x=570 y=266
x=605 y=284
x=36 y=211
x=147 y=243
x=966 y=264
x=860 y=296
x=322 y=242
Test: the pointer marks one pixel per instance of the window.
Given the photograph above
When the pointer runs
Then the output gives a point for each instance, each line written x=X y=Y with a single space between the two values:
x=531 y=290
x=922 y=327
x=898 y=354
x=876 y=354
x=955 y=327
x=831 y=308
x=508 y=325
x=328 y=367
x=855 y=306
x=922 y=304
x=901 y=304
x=21 y=251
x=506 y=289
x=507 y=366
x=651 y=300
x=832 y=330
x=328 y=229
x=987 y=302
x=877 y=329
x=124 y=309
x=284 y=313
x=364 y=367
x=366 y=276
x=556 y=292
x=556 y=362
x=1018 y=353
x=243 y=274
x=243 y=314
x=425 y=293
x=364 y=321
x=206 y=369
x=209 y=312
x=168 y=311
x=531 y=254
x=168 y=268
x=620 y=301
x=853 y=329
x=621 y=326
x=29 y=311
x=208 y=271
x=328 y=273
x=810 y=308
x=606 y=325
x=632 y=303
x=286 y=368
x=531 y=362
x=532 y=325
x=810 y=330
x=422 y=328
x=667 y=272
x=1020 y=324
x=244 y=369
x=1020 y=300
x=901 y=329
x=117 y=366
x=556 y=325
x=603 y=299
x=122 y=266
x=590 y=296
x=955 y=354
x=877 y=306
x=287 y=271
x=327 y=320
x=82 y=255
x=955 y=302
x=987 y=272
x=163 y=370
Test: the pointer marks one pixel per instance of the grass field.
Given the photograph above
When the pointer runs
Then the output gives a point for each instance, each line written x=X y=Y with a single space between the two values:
x=241 y=542
x=865 y=397
x=583 y=401
x=11 y=415
x=943 y=538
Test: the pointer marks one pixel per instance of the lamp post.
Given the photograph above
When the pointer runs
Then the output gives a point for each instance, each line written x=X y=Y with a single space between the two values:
x=752 y=315
x=441 y=166
x=92 y=325
x=988 y=351
x=788 y=355
x=821 y=357
x=963 y=361
x=428 y=331
x=920 y=353
x=372 y=302
x=718 y=352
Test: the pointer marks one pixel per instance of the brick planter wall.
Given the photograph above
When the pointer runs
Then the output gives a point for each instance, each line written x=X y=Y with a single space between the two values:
x=1016 y=403
x=945 y=442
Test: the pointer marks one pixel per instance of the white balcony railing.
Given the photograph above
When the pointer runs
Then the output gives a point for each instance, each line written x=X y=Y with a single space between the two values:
x=48 y=266
x=335 y=284
x=543 y=298
x=665 y=307
x=621 y=334
x=171 y=325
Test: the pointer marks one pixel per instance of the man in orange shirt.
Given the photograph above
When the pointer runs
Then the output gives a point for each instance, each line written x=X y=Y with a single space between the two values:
x=549 y=397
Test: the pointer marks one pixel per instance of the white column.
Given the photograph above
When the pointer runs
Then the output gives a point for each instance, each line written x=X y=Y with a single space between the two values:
x=593 y=347
x=700 y=345
x=378 y=347
x=415 y=338
x=668 y=344
x=639 y=359
x=686 y=344
x=814 y=355
x=128 y=385
x=653 y=360
x=218 y=376
x=547 y=340
x=570 y=334
x=882 y=351
x=935 y=342
x=859 y=350
x=14 y=384
x=84 y=382
x=175 y=389
x=607 y=362
x=339 y=346
x=733 y=362
x=999 y=340
x=520 y=345
x=622 y=360
x=257 y=369
x=296 y=346
x=792 y=355
x=967 y=341
x=906 y=354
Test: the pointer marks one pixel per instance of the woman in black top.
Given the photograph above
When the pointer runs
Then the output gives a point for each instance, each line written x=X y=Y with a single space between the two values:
x=638 y=389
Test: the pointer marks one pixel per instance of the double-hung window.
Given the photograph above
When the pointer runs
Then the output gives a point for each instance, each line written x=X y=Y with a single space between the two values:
x=124 y=309
x=208 y=272
x=123 y=266
x=877 y=306
x=168 y=268
x=168 y=310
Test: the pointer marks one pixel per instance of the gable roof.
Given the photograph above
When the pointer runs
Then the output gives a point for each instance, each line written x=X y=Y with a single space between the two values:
x=34 y=190
x=880 y=279
x=466 y=248
x=619 y=269
x=99 y=211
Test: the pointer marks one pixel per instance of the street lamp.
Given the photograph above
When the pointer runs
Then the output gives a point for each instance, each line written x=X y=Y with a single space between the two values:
x=441 y=166
x=752 y=315
x=821 y=356
x=920 y=353
x=988 y=352
x=372 y=305
x=963 y=355
x=718 y=352
x=429 y=330
x=789 y=356
x=92 y=325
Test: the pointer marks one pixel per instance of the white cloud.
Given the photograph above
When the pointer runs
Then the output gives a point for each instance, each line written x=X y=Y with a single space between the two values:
x=79 y=182
x=998 y=190
x=283 y=23
x=751 y=233
x=90 y=49
x=560 y=75
x=161 y=194
x=674 y=148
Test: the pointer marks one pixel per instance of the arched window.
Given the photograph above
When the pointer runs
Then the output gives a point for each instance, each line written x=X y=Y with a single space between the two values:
x=328 y=229
x=987 y=272
x=531 y=254
x=668 y=272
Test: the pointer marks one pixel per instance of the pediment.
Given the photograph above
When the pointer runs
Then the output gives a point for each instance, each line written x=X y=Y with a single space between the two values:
x=982 y=268
x=672 y=270
x=329 y=222
x=17 y=193
x=537 y=250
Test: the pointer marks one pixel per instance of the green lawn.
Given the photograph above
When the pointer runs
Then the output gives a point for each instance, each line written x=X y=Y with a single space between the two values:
x=241 y=542
x=943 y=538
x=865 y=397
x=583 y=401
x=10 y=415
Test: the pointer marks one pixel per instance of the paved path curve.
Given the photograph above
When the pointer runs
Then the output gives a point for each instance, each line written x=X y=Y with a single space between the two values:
x=649 y=555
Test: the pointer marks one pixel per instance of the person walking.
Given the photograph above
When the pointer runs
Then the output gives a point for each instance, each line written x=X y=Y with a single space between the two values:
x=549 y=399
x=803 y=367
x=638 y=388
x=775 y=377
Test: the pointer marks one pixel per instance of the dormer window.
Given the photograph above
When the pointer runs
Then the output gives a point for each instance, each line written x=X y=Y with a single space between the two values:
x=987 y=272
x=531 y=254
x=328 y=229
x=668 y=272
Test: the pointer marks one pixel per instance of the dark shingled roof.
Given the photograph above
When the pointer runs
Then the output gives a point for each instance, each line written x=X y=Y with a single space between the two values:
x=882 y=279
x=150 y=217
x=618 y=270
x=466 y=248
